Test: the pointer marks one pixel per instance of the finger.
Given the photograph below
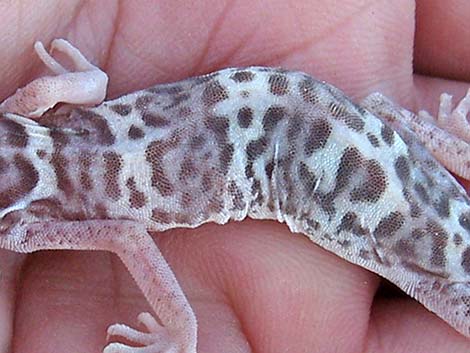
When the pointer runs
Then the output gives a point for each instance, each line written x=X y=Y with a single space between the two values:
x=442 y=34
x=282 y=292
x=10 y=264
x=402 y=325
x=66 y=297
x=346 y=45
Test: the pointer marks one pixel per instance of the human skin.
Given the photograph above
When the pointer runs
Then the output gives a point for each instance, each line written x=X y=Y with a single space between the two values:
x=254 y=286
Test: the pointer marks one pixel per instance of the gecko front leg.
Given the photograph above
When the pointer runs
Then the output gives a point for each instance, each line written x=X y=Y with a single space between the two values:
x=129 y=240
x=85 y=85
x=137 y=250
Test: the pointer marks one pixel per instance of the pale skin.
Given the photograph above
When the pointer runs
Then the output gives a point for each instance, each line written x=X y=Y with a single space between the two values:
x=254 y=286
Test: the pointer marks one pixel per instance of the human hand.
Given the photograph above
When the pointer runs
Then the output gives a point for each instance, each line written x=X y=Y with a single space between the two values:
x=254 y=286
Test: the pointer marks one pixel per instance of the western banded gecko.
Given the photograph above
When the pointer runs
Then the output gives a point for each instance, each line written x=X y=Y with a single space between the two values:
x=253 y=142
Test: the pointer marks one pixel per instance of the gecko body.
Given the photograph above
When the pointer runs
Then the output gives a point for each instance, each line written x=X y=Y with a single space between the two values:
x=253 y=142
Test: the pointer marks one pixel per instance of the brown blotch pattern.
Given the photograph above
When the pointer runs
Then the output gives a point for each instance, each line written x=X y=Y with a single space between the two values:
x=142 y=102
x=28 y=179
x=375 y=185
x=244 y=117
x=214 y=93
x=307 y=91
x=204 y=78
x=48 y=207
x=185 y=111
x=121 y=109
x=135 y=133
x=161 y=216
x=219 y=125
x=415 y=210
x=186 y=200
x=307 y=178
x=466 y=260
x=16 y=133
x=271 y=118
x=354 y=122
x=422 y=193
x=237 y=196
x=389 y=225
x=154 y=120
x=101 y=211
x=256 y=148
x=418 y=234
x=439 y=241
x=226 y=155
x=177 y=99
x=402 y=168
x=99 y=126
x=405 y=248
x=207 y=182
x=187 y=169
x=388 y=135
x=457 y=239
x=84 y=163
x=3 y=165
x=339 y=111
x=41 y=154
x=29 y=176
x=350 y=223
x=59 y=137
x=60 y=164
x=172 y=89
x=154 y=155
x=374 y=141
x=442 y=206
x=112 y=170
x=137 y=199
x=318 y=135
x=269 y=169
x=294 y=128
x=197 y=142
x=278 y=84
x=257 y=192
x=464 y=221
x=242 y=76
x=350 y=162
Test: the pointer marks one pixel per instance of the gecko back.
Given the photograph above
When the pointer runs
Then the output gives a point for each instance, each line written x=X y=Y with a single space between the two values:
x=257 y=142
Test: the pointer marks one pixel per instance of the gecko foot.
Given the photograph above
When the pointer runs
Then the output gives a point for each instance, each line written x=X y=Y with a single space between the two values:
x=157 y=340
x=452 y=120
x=86 y=84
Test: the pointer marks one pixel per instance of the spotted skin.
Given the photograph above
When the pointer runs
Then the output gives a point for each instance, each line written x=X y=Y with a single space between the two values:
x=253 y=142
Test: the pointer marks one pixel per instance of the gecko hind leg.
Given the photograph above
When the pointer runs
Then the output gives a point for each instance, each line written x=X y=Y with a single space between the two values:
x=137 y=250
x=85 y=85
x=453 y=120
x=451 y=150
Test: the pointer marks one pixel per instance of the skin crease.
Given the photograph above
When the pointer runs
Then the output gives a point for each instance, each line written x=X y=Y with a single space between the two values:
x=254 y=286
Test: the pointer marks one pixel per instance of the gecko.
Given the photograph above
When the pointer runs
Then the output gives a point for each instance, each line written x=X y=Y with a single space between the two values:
x=367 y=181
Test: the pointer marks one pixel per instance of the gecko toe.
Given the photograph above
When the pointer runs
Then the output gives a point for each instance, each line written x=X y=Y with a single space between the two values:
x=157 y=340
